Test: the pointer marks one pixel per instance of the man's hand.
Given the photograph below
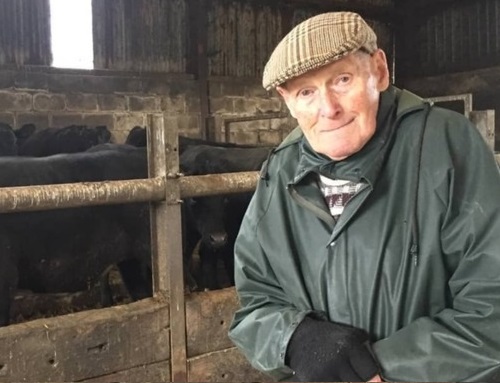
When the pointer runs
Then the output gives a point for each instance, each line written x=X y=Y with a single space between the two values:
x=322 y=351
x=376 y=378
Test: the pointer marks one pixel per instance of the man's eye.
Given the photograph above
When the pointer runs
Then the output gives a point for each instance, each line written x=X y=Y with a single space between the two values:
x=344 y=79
x=305 y=92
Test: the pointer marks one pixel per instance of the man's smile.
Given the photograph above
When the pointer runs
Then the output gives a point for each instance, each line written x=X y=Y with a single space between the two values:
x=330 y=129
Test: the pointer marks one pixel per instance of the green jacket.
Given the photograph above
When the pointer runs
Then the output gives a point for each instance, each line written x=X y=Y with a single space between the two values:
x=414 y=259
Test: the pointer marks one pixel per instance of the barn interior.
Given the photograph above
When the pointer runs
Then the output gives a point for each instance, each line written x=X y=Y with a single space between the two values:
x=193 y=68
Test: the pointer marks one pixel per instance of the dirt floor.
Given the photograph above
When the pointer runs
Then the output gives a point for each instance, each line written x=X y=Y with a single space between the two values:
x=110 y=291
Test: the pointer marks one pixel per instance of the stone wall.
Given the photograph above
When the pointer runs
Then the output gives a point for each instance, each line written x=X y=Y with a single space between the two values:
x=50 y=97
x=237 y=99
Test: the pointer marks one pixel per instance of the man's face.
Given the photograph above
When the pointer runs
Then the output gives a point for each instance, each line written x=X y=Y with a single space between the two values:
x=336 y=105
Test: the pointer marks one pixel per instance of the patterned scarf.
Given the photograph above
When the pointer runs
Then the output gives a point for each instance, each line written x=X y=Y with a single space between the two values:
x=337 y=193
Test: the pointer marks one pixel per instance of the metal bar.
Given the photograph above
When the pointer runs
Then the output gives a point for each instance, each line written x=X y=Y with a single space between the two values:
x=61 y=196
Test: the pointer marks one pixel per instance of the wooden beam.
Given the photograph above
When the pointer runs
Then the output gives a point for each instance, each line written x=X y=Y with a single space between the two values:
x=166 y=235
x=364 y=8
x=424 y=9
x=198 y=60
x=87 y=344
x=223 y=366
x=155 y=372
x=208 y=317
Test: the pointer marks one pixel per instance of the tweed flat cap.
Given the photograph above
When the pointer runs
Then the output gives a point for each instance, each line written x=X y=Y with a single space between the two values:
x=316 y=42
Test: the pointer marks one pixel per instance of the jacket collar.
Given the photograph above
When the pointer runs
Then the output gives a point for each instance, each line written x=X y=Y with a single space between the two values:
x=366 y=164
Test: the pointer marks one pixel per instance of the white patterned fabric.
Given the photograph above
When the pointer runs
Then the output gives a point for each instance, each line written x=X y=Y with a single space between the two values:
x=337 y=193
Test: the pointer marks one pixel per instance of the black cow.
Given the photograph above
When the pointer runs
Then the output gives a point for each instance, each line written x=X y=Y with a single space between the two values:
x=137 y=137
x=8 y=145
x=23 y=133
x=215 y=220
x=66 y=250
x=70 y=139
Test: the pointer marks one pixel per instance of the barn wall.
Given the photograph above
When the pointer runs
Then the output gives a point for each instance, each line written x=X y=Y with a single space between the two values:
x=139 y=38
x=242 y=35
x=25 y=32
x=240 y=98
x=482 y=84
x=56 y=98
x=452 y=48
x=140 y=35
x=447 y=37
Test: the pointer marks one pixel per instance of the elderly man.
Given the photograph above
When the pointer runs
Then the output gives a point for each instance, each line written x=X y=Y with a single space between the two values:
x=371 y=248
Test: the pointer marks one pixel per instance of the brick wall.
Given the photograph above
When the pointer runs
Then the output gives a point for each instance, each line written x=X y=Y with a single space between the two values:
x=51 y=97
x=239 y=98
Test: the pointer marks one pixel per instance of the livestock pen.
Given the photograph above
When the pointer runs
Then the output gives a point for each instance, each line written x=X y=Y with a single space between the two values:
x=193 y=67
x=169 y=337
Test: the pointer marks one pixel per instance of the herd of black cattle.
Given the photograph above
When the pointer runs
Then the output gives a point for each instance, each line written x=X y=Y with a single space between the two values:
x=67 y=250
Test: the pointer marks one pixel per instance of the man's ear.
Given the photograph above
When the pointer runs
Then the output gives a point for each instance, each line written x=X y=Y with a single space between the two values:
x=285 y=94
x=382 y=70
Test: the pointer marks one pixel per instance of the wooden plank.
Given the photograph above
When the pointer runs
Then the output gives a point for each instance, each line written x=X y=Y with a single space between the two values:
x=485 y=123
x=224 y=366
x=198 y=32
x=364 y=8
x=86 y=344
x=156 y=372
x=166 y=235
x=59 y=196
x=157 y=168
x=208 y=316
x=172 y=234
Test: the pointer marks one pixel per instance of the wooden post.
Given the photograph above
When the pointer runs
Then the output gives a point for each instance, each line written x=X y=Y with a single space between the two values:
x=198 y=60
x=166 y=237
x=485 y=122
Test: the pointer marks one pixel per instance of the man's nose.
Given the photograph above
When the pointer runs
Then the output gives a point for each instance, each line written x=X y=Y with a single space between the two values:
x=330 y=106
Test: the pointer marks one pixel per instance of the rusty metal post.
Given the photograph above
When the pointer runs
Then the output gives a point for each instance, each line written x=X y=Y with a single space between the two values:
x=168 y=275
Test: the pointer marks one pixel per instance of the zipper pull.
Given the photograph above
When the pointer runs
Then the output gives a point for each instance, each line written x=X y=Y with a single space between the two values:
x=414 y=253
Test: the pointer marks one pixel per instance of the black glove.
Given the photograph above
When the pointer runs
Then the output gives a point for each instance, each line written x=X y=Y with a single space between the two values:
x=321 y=351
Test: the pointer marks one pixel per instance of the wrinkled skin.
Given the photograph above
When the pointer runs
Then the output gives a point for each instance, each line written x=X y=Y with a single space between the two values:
x=336 y=105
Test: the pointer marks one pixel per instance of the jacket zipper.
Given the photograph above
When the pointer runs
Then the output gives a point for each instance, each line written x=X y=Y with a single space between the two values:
x=321 y=214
